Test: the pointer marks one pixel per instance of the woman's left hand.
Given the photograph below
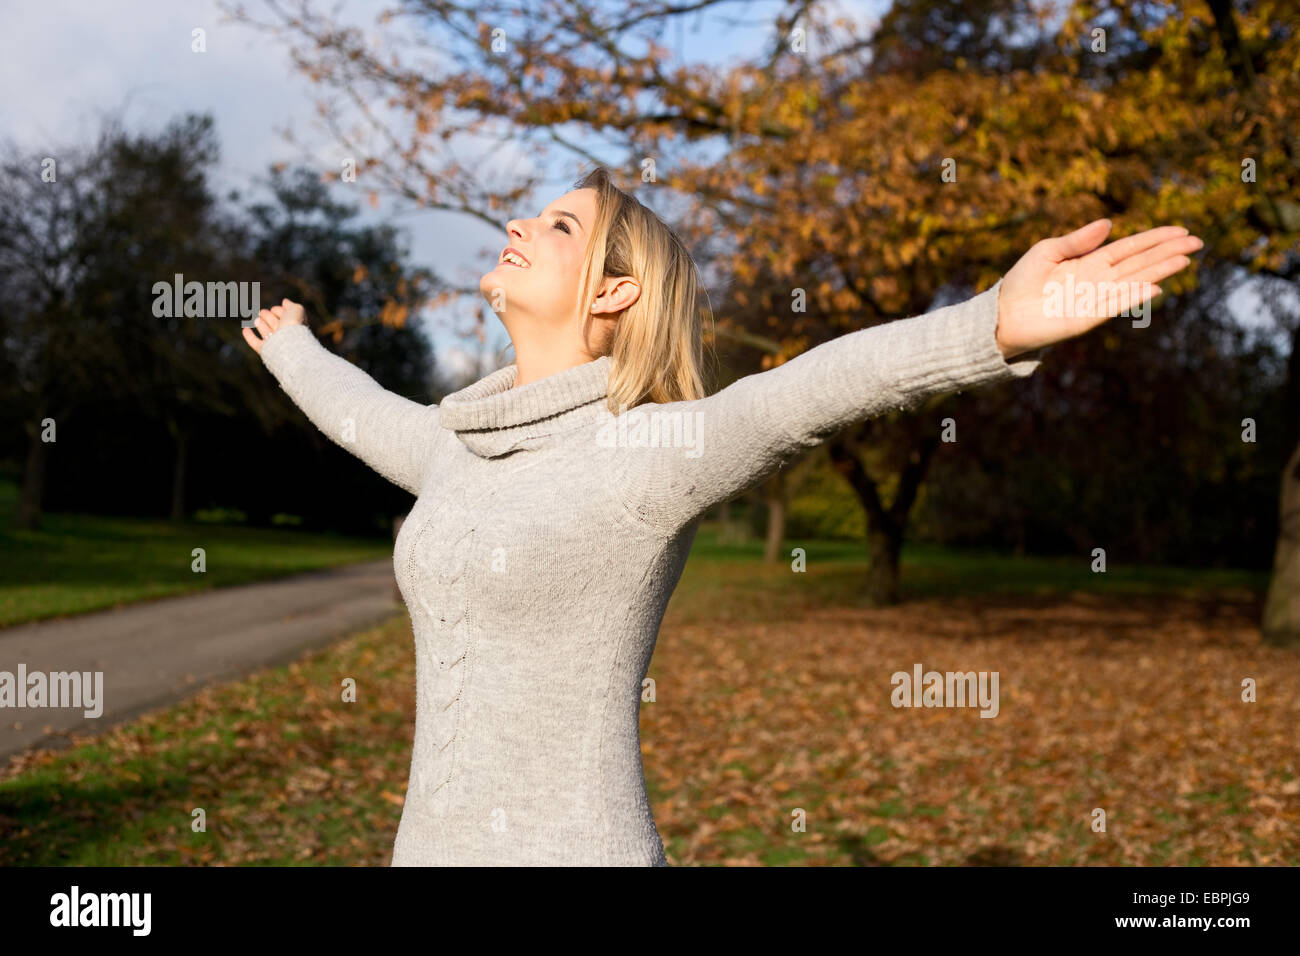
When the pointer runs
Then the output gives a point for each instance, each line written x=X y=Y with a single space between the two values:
x=1122 y=275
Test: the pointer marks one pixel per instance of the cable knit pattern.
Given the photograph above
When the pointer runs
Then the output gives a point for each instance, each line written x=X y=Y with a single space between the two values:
x=546 y=538
x=442 y=652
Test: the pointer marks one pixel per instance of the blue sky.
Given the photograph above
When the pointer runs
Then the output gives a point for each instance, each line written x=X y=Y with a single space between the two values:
x=66 y=62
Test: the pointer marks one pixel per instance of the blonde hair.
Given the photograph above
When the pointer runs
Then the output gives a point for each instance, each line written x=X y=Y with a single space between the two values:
x=656 y=351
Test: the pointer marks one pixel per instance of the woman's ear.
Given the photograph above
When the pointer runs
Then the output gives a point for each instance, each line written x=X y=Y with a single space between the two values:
x=616 y=294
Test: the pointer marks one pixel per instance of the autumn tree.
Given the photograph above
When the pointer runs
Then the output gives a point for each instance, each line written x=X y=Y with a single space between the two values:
x=843 y=177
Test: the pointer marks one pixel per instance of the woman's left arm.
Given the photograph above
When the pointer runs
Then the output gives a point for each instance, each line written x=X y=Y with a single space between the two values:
x=676 y=460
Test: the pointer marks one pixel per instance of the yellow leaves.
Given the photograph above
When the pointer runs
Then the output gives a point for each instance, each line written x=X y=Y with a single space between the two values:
x=333 y=330
x=908 y=249
x=393 y=314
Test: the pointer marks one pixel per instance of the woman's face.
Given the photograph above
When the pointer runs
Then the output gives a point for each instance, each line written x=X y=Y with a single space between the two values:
x=544 y=290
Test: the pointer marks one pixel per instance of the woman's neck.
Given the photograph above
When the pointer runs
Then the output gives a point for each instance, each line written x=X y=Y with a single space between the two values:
x=534 y=365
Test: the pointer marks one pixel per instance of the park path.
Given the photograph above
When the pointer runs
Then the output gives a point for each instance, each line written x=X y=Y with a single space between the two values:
x=157 y=652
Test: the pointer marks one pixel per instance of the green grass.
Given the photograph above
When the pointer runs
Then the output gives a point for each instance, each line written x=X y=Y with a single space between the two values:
x=80 y=563
x=738 y=586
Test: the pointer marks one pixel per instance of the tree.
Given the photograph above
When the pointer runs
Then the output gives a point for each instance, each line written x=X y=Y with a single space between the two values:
x=158 y=218
x=870 y=176
x=55 y=352
x=1281 y=620
x=353 y=279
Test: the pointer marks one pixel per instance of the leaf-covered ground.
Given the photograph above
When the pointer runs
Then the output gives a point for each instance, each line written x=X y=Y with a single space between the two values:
x=1131 y=705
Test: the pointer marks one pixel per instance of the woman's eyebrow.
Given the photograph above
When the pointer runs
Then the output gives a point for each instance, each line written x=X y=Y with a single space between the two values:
x=563 y=212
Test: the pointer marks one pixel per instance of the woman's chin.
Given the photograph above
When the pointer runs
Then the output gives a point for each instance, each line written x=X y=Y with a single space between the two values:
x=502 y=269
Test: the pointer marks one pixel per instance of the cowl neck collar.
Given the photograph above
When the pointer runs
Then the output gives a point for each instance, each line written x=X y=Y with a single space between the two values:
x=492 y=417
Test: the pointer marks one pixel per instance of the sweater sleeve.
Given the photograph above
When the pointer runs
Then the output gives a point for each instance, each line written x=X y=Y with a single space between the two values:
x=391 y=434
x=710 y=449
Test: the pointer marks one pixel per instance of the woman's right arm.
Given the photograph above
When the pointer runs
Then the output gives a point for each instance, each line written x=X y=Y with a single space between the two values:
x=393 y=435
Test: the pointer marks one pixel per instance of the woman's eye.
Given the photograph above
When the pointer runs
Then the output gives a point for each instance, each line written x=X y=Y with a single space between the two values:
x=561 y=222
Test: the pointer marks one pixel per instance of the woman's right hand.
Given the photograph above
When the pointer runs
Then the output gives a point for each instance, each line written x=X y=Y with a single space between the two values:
x=268 y=320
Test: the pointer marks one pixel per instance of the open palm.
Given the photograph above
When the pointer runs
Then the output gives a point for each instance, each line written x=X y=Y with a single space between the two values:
x=1094 y=284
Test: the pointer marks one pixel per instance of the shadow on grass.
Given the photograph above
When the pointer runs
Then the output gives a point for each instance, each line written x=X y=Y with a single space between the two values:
x=47 y=821
x=859 y=851
x=53 y=824
x=996 y=856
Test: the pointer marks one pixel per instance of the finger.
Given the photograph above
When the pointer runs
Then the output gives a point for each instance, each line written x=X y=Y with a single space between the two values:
x=263 y=326
x=1078 y=243
x=1161 y=270
x=271 y=318
x=1142 y=261
x=277 y=311
x=1133 y=295
x=1121 y=298
x=1121 y=249
x=253 y=340
x=1149 y=292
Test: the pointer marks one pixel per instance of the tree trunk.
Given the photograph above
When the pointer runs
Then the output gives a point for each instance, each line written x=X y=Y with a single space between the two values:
x=178 y=474
x=886 y=544
x=1281 y=624
x=731 y=530
x=1142 y=542
x=885 y=526
x=28 y=517
x=775 y=494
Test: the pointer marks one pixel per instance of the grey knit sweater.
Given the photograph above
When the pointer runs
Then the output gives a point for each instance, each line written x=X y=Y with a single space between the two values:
x=545 y=541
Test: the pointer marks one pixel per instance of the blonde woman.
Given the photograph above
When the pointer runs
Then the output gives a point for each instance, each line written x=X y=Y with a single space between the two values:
x=557 y=498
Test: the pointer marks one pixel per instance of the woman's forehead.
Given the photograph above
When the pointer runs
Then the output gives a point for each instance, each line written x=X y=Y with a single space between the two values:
x=584 y=198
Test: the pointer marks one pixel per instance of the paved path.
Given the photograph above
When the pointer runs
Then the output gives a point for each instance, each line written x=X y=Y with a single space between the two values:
x=157 y=652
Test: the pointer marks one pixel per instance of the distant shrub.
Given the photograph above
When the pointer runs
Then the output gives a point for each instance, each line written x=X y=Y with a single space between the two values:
x=824 y=506
x=826 y=516
x=220 y=516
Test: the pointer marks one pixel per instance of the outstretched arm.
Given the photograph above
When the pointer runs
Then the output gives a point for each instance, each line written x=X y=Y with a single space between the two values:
x=710 y=449
x=391 y=434
x=733 y=439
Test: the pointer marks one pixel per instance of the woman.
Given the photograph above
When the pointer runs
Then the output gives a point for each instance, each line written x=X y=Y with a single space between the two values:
x=557 y=498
